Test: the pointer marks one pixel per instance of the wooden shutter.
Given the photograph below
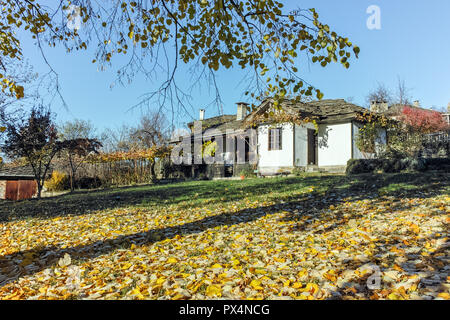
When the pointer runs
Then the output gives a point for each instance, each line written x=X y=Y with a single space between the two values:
x=270 y=139
x=279 y=135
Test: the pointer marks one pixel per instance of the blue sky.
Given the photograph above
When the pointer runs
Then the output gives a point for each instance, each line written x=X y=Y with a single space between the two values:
x=412 y=44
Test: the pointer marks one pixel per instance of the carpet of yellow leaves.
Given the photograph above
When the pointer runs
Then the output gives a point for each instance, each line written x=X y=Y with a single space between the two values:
x=245 y=249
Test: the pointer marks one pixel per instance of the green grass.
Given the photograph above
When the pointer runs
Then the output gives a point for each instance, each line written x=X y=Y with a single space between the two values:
x=204 y=194
x=282 y=225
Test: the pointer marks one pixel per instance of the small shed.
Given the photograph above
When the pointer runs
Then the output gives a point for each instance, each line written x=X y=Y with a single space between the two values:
x=17 y=183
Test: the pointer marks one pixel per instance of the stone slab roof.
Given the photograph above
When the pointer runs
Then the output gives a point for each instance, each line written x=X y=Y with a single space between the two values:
x=25 y=172
x=217 y=122
x=221 y=123
x=327 y=111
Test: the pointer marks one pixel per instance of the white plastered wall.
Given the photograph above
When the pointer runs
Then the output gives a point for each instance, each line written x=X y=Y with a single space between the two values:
x=270 y=162
x=335 y=144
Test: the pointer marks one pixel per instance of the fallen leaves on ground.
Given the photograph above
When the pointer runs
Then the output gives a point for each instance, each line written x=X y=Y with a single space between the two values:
x=315 y=246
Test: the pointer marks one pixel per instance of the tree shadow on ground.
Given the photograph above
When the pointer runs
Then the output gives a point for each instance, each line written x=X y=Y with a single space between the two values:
x=152 y=195
x=315 y=202
x=197 y=193
x=408 y=272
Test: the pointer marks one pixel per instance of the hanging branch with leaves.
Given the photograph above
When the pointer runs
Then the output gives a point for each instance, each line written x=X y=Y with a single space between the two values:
x=206 y=35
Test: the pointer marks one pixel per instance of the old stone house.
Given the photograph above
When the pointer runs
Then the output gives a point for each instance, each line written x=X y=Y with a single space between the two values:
x=327 y=144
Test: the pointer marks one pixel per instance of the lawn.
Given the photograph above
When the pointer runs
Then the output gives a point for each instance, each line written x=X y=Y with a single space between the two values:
x=316 y=236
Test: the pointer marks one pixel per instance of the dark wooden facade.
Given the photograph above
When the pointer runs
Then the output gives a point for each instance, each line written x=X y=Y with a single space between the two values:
x=17 y=184
x=20 y=189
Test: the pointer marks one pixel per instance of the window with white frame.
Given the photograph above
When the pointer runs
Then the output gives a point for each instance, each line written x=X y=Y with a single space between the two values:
x=275 y=139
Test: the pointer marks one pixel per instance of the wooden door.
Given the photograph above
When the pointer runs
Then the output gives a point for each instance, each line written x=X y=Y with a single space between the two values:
x=312 y=147
x=12 y=188
x=27 y=189
x=247 y=149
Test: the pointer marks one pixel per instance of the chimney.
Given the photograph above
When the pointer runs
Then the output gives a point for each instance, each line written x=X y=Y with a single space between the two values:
x=241 y=110
x=202 y=114
x=448 y=107
x=417 y=104
x=378 y=107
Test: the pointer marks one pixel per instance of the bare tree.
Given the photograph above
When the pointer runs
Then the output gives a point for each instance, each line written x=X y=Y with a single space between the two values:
x=402 y=95
x=380 y=94
x=76 y=129
x=152 y=132
x=152 y=129
x=178 y=133
x=78 y=141
x=118 y=139
x=21 y=73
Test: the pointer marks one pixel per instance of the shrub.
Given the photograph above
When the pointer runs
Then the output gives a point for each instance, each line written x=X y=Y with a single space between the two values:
x=391 y=165
x=393 y=153
x=437 y=163
x=247 y=172
x=417 y=165
x=202 y=176
x=59 y=181
x=373 y=165
x=405 y=163
x=89 y=183
x=298 y=171
x=365 y=140
x=358 y=166
x=172 y=171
